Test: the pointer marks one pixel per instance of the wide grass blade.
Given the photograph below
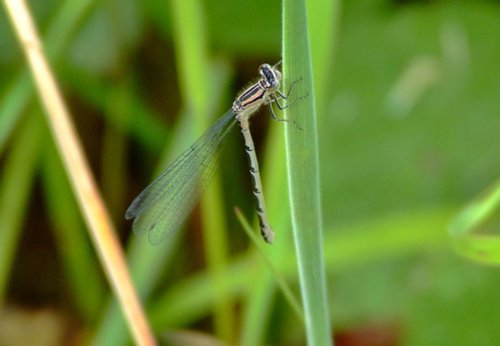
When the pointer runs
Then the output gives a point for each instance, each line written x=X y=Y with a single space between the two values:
x=303 y=173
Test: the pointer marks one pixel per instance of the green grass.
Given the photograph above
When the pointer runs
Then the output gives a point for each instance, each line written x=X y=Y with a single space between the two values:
x=19 y=92
x=142 y=84
x=465 y=227
x=17 y=181
x=303 y=171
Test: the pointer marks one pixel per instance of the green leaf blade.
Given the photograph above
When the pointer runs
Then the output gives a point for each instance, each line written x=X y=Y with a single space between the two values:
x=303 y=172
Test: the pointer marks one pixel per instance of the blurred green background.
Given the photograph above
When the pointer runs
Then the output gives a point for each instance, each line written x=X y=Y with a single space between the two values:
x=408 y=122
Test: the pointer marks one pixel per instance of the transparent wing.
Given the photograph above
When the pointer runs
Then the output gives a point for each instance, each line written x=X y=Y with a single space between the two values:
x=163 y=206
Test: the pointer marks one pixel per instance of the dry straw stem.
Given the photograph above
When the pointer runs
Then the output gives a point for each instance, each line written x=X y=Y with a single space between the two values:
x=95 y=214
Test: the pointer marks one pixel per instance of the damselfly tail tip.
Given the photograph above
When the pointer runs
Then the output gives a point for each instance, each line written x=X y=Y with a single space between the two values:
x=268 y=235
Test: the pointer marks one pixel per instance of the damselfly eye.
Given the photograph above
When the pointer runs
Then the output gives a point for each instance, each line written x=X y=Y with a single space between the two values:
x=270 y=75
x=265 y=70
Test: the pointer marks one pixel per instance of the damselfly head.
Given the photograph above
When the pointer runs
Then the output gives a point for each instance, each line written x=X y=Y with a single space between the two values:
x=270 y=76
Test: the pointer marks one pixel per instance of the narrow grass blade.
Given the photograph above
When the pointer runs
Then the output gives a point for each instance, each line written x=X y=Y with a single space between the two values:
x=77 y=256
x=280 y=280
x=257 y=306
x=355 y=245
x=17 y=178
x=483 y=248
x=192 y=51
x=15 y=99
x=90 y=202
x=197 y=75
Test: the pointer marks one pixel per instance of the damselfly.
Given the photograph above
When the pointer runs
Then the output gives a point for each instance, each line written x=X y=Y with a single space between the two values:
x=163 y=206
